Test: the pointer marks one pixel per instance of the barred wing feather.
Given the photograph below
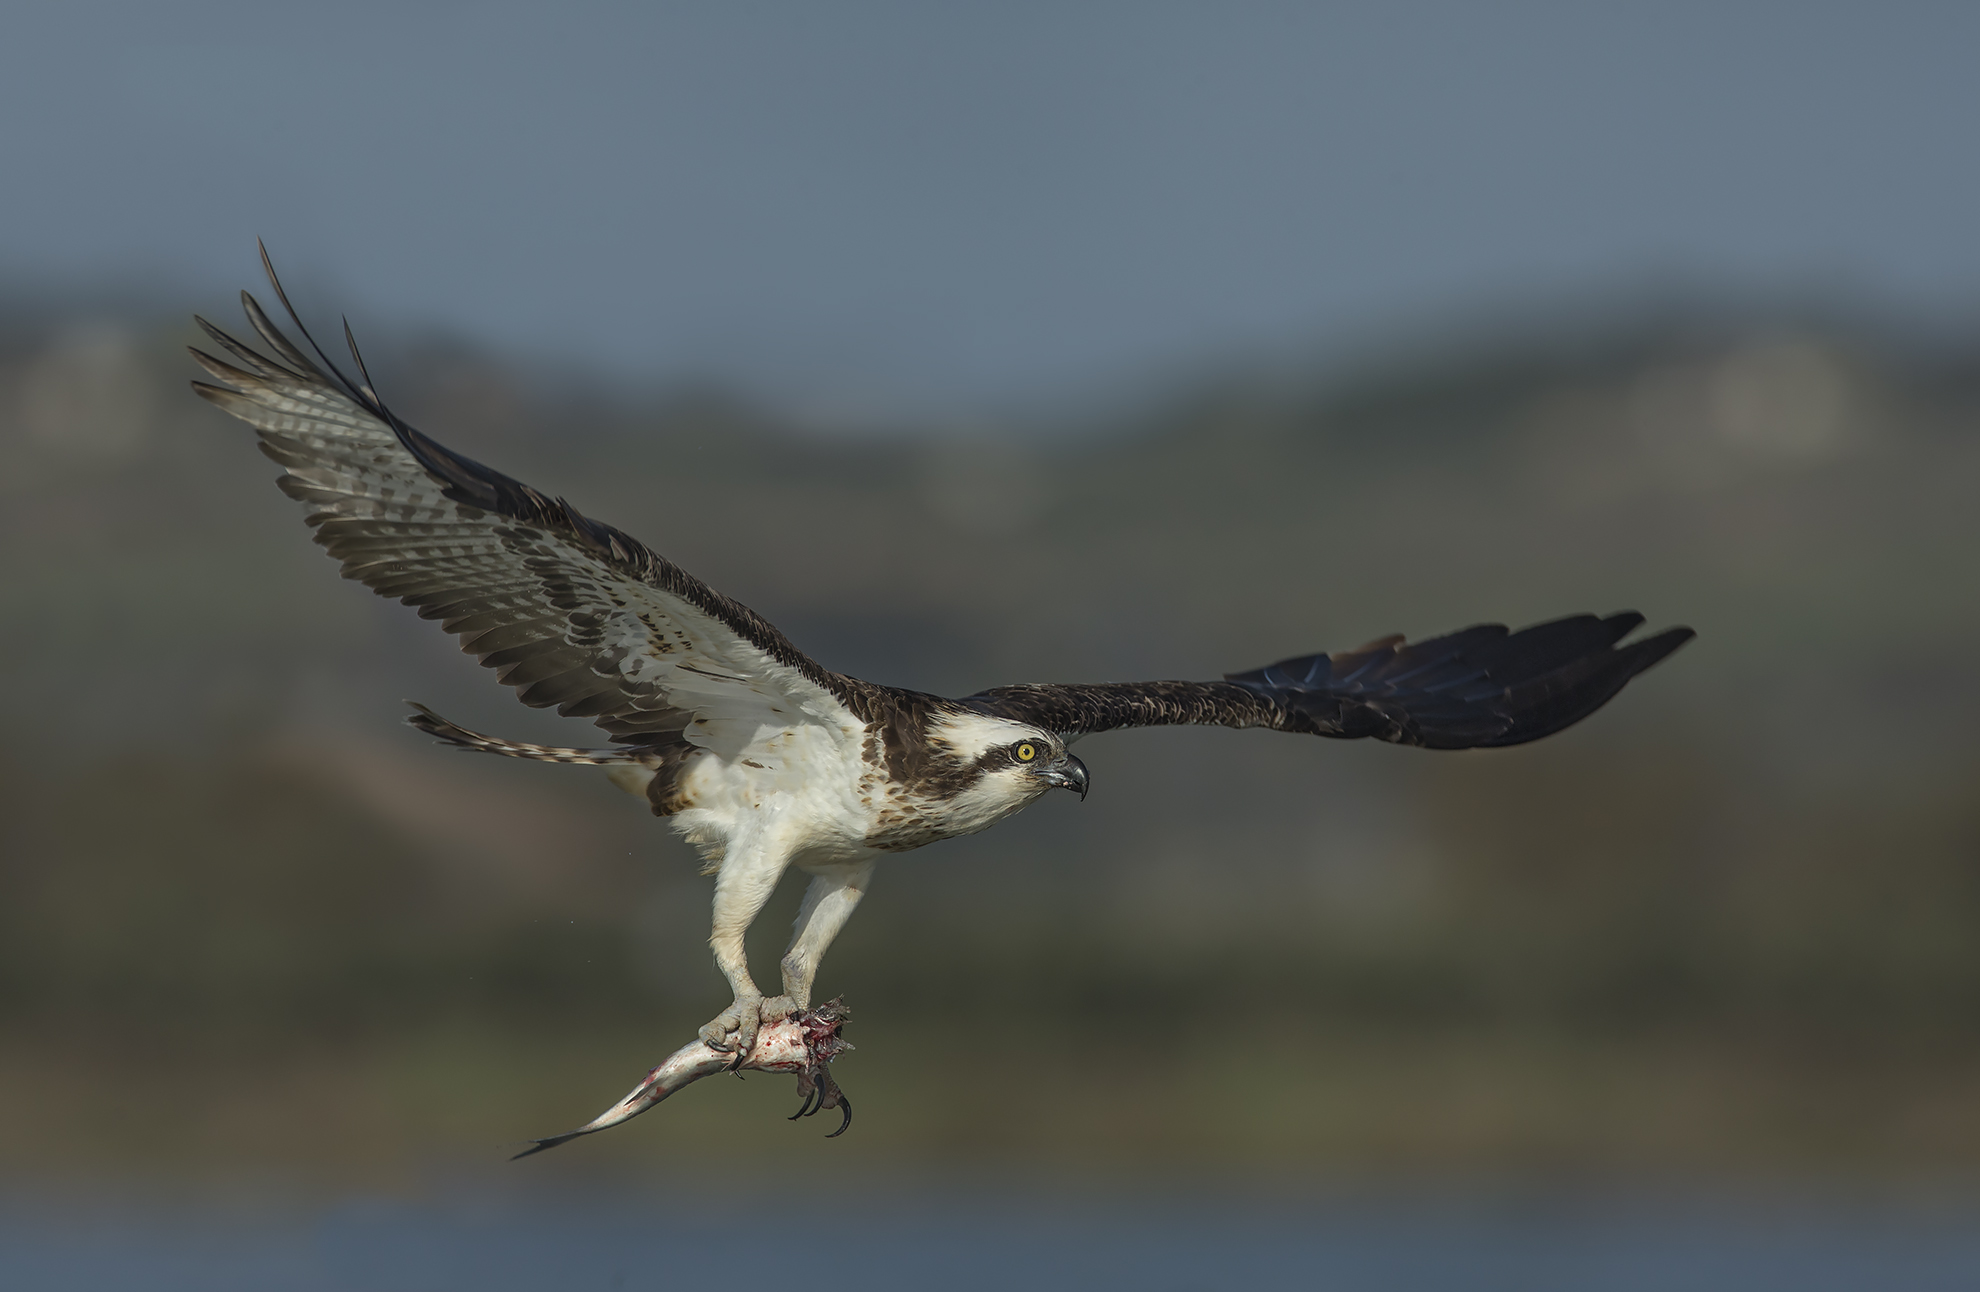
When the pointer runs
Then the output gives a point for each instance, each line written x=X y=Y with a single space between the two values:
x=570 y=612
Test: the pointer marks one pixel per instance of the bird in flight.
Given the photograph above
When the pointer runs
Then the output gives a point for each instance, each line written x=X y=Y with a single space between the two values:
x=760 y=756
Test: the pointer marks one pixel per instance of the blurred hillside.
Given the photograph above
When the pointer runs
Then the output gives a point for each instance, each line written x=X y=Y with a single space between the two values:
x=1732 y=923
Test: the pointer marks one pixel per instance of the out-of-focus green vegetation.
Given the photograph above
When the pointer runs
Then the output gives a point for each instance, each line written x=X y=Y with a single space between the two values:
x=1733 y=922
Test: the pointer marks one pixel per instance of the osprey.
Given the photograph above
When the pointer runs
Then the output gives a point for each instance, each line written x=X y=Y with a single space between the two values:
x=760 y=756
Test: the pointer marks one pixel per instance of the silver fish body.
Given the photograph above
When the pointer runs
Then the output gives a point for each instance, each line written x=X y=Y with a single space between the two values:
x=802 y=1045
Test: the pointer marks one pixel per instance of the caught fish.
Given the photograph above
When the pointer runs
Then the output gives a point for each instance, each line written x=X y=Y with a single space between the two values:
x=802 y=1044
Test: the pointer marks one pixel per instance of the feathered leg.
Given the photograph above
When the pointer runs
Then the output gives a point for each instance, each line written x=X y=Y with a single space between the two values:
x=747 y=877
x=828 y=904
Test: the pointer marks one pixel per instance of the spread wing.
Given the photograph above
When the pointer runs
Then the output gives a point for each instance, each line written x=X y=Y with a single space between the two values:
x=1481 y=687
x=570 y=612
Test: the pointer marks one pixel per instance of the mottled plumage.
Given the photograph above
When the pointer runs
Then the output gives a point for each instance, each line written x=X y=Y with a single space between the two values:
x=762 y=757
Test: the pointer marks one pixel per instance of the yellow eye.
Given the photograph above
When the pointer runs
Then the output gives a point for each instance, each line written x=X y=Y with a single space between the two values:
x=1026 y=752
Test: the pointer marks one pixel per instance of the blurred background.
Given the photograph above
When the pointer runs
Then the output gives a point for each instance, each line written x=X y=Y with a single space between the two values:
x=995 y=343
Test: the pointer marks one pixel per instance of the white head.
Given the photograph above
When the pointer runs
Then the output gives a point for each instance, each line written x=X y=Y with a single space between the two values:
x=994 y=766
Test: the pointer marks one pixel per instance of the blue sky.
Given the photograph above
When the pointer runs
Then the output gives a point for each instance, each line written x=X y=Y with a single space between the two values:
x=919 y=205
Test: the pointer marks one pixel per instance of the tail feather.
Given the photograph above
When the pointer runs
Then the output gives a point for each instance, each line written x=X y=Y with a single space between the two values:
x=454 y=734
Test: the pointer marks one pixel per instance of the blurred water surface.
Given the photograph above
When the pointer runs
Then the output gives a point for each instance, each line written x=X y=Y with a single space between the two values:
x=850 y=1236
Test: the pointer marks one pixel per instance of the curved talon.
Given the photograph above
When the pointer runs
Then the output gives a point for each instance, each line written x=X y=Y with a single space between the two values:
x=805 y=1109
x=846 y=1107
x=739 y=1021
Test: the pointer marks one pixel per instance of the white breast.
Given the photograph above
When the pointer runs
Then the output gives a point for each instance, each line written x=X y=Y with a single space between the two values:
x=797 y=786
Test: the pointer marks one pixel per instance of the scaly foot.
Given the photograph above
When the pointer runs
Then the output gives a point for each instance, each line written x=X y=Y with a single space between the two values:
x=734 y=1029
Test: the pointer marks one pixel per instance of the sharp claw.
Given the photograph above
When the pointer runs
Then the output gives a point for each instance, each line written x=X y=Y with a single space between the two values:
x=846 y=1107
x=805 y=1108
x=744 y=1044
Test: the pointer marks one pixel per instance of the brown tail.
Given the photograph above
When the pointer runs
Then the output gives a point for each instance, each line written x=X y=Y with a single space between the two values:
x=435 y=725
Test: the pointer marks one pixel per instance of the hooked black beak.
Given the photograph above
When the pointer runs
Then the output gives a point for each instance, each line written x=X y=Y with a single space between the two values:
x=1072 y=776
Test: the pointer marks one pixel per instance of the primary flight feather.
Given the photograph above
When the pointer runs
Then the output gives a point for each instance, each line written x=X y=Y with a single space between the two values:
x=760 y=756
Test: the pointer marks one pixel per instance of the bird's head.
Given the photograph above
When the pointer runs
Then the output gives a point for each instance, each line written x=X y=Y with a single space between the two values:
x=1001 y=762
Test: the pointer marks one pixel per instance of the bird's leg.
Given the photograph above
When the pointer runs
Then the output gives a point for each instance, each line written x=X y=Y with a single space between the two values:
x=744 y=882
x=828 y=903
